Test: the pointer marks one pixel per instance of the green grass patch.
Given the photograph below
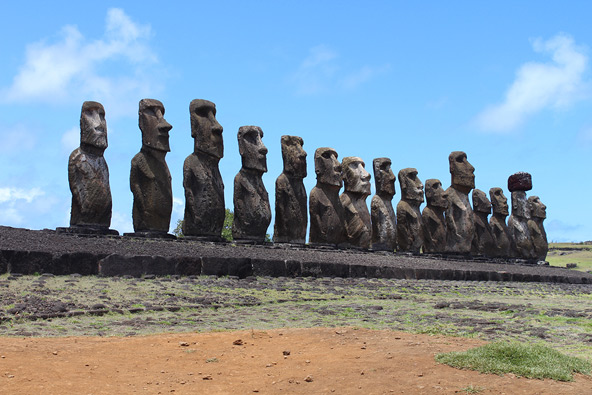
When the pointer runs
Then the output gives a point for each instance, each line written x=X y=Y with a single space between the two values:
x=527 y=360
x=561 y=254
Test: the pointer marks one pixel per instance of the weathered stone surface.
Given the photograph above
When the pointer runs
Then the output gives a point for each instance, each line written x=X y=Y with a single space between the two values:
x=150 y=179
x=326 y=212
x=518 y=226
x=502 y=238
x=384 y=221
x=409 y=227
x=291 y=213
x=460 y=225
x=432 y=217
x=136 y=265
x=252 y=213
x=357 y=188
x=204 y=188
x=520 y=181
x=483 y=242
x=88 y=174
x=538 y=213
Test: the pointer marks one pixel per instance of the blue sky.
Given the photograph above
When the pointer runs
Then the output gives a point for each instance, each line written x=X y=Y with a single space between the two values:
x=507 y=82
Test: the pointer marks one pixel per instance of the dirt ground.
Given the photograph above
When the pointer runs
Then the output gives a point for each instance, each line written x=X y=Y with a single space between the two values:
x=318 y=361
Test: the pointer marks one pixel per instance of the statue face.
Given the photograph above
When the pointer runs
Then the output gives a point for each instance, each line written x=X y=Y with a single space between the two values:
x=498 y=201
x=205 y=129
x=327 y=167
x=411 y=186
x=480 y=202
x=537 y=208
x=384 y=177
x=294 y=156
x=520 y=205
x=462 y=172
x=357 y=179
x=251 y=148
x=435 y=195
x=155 y=129
x=93 y=127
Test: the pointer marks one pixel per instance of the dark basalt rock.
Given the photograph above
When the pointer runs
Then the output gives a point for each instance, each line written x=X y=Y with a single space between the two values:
x=460 y=225
x=357 y=188
x=291 y=213
x=483 y=242
x=502 y=237
x=518 y=226
x=520 y=181
x=432 y=217
x=409 y=227
x=384 y=222
x=538 y=213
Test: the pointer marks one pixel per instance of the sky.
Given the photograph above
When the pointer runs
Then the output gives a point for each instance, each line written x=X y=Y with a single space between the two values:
x=507 y=82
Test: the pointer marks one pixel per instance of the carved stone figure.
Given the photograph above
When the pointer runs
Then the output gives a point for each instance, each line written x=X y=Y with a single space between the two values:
x=252 y=213
x=409 y=228
x=88 y=175
x=150 y=179
x=538 y=213
x=327 y=225
x=353 y=199
x=291 y=215
x=384 y=221
x=432 y=217
x=518 y=184
x=502 y=238
x=483 y=242
x=204 y=188
x=460 y=225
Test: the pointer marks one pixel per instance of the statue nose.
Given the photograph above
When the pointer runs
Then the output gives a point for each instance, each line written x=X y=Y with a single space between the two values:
x=164 y=126
x=263 y=150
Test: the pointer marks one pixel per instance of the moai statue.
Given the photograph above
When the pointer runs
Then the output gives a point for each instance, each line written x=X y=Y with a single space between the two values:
x=88 y=175
x=502 y=239
x=518 y=184
x=291 y=215
x=538 y=213
x=384 y=222
x=204 y=188
x=150 y=179
x=483 y=242
x=460 y=225
x=326 y=212
x=409 y=229
x=252 y=213
x=353 y=199
x=432 y=217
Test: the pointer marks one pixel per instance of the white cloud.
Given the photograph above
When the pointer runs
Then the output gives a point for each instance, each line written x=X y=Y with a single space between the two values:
x=13 y=202
x=75 y=68
x=120 y=222
x=357 y=78
x=538 y=86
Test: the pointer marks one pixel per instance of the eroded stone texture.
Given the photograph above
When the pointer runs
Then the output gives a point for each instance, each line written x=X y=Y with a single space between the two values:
x=538 y=213
x=88 y=174
x=150 y=179
x=518 y=223
x=252 y=213
x=327 y=225
x=291 y=215
x=502 y=238
x=204 y=188
x=409 y=227
x=460 y=225
x=432 y=217
x=384 y=222
x=357 y=188
x=483 y=242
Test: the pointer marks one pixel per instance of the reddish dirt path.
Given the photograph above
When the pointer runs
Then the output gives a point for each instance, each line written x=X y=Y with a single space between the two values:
x=340 y=361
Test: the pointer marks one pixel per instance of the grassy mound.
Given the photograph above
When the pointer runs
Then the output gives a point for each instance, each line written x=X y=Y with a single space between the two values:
x=532 y=361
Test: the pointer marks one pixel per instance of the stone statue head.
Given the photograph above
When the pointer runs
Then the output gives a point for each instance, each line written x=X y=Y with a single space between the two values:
x=251 y=148
x=93 y=127
x=461 y=171
x=435 y=195
x=327 y=167
x=294 y=156
x=155 y=129
x=498 y=201
x=537 y=208
x=411 y=186
x=205 y=129
x=480 y=202
x=355 y=176
x=520 y=205
x=384 y=177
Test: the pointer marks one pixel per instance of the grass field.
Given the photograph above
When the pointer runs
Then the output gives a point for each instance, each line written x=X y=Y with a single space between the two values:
x=561 y=254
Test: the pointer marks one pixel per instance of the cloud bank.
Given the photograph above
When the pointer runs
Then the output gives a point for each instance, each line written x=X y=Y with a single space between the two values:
x=539 y=86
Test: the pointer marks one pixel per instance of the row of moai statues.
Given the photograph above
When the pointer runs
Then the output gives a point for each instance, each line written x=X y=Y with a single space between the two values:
x=448 y=224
